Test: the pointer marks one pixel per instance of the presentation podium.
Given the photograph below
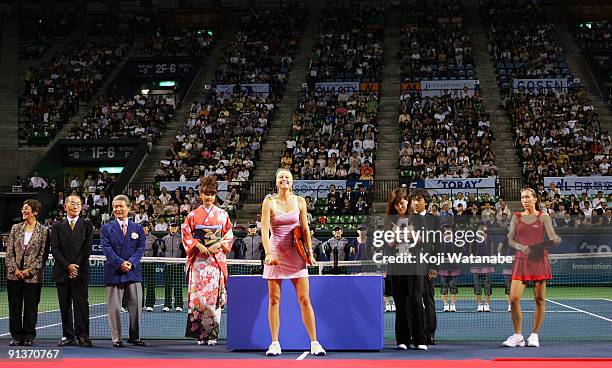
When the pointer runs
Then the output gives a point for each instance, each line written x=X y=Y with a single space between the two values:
x=348 y=310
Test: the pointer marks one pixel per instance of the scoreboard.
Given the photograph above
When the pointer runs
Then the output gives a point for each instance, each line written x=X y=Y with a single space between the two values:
x=99 y=152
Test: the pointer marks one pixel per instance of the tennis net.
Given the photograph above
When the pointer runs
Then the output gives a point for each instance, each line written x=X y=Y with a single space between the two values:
x=579 y=300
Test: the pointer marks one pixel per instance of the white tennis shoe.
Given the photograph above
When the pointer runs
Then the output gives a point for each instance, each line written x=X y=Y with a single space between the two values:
x=453 y=308
x=480 y=308
x=486 y=308
x=274 y=349
x=533 y=340
x=402 y=346
x=446 y=308
x=317 y=349
x=514 y=341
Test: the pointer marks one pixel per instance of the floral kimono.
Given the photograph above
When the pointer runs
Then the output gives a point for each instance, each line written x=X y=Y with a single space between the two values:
x=206 y=275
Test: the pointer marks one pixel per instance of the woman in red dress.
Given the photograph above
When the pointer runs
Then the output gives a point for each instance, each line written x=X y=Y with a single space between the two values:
x=530 y=264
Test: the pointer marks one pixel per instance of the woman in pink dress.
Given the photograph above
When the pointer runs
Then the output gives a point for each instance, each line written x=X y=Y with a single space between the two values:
x=207 y=238
x=280 y=215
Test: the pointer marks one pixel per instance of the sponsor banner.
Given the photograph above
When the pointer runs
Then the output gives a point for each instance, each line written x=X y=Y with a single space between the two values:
x=316 y=188
x=171 y=186
x=580 y=184
x=260 y=88
x=410 y=86
x=463 y=185
x=369 y=87
x=325 y=87
x=438 y=88
x=537 y=85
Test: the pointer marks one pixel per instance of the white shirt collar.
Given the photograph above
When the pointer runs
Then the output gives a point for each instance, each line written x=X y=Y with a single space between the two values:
x=124 y=222
x=75 y=219
x=423 y=213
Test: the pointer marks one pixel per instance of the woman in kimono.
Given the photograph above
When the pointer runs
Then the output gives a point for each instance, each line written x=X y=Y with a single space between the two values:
x=207 y=237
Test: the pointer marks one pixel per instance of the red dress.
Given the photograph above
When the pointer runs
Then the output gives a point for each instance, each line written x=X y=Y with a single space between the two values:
x=529 y=268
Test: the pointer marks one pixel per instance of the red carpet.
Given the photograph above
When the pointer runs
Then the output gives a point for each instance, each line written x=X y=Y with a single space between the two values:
x=314 y=363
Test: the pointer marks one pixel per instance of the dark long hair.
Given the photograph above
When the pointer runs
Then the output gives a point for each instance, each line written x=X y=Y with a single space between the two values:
x=396 y=196
x=535 y=195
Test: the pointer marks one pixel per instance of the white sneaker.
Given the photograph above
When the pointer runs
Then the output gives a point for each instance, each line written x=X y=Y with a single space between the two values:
x=274 y=349
x=201 y=342
x=149 y=309
x=453 y=308
x=402 y=346
x=514 y=341
x=211 y=342
x=179 y=309
x=316 y=349
x=393 y=307
x=166 y=309
x=421 y=347
x=533 y=340
x=446 y=308
x=387 y=307
x=486 y=308
x=509 y=308
x=480 y=308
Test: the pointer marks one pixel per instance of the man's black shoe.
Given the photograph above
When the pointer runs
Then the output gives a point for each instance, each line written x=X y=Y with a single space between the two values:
x=85 y=342
x=137 y=342
x=65 y=341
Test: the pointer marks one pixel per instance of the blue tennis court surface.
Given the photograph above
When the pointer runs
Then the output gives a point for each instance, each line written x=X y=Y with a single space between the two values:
x=566 y=320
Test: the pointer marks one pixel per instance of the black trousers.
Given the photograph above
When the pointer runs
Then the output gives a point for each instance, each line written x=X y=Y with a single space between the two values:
x=23 y=308
x=174 y=275
x=429 y=301
x=148 y=275
x=410 y=313
x=74 y=294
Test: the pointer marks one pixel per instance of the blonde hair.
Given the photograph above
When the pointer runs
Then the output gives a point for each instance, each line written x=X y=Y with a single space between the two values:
x=282 y=169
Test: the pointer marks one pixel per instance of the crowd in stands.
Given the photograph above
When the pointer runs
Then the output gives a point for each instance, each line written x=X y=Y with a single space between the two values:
x=53 y=91
x=349 y=46
x=445 y=137
x=333 y=136
x=593 y=38
x=558 y=134
x=224 y=130
x=180 y=42
x=263 y=50
x=594 y=35
x=435 y=44
x=222 y=136
x=522 y=42
x=123 y=25
x=37 y=31
x=118 y=116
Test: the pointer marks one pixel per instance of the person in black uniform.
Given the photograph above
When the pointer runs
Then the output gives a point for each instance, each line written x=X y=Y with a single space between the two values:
x=406 y=283
x=421 y=219
x=71 y=241
x=148 y=268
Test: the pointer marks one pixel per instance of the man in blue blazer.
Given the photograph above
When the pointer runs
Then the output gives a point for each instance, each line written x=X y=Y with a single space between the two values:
x=123 y=244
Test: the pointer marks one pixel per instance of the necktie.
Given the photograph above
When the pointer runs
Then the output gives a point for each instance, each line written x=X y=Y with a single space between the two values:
x=123 y=229
x=71 y=224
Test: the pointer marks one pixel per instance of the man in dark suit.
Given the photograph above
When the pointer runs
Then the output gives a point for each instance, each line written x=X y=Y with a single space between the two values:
x=422 y=220
x=71 y=241
x=123 y=243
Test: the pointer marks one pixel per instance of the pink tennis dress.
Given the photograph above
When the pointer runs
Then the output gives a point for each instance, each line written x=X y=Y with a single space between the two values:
x=282 y=247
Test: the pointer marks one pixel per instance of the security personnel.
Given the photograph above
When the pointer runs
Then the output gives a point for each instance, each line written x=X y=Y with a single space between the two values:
x=338 y=246
x=148 y=268
x=252 y=242
x=174 y=273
